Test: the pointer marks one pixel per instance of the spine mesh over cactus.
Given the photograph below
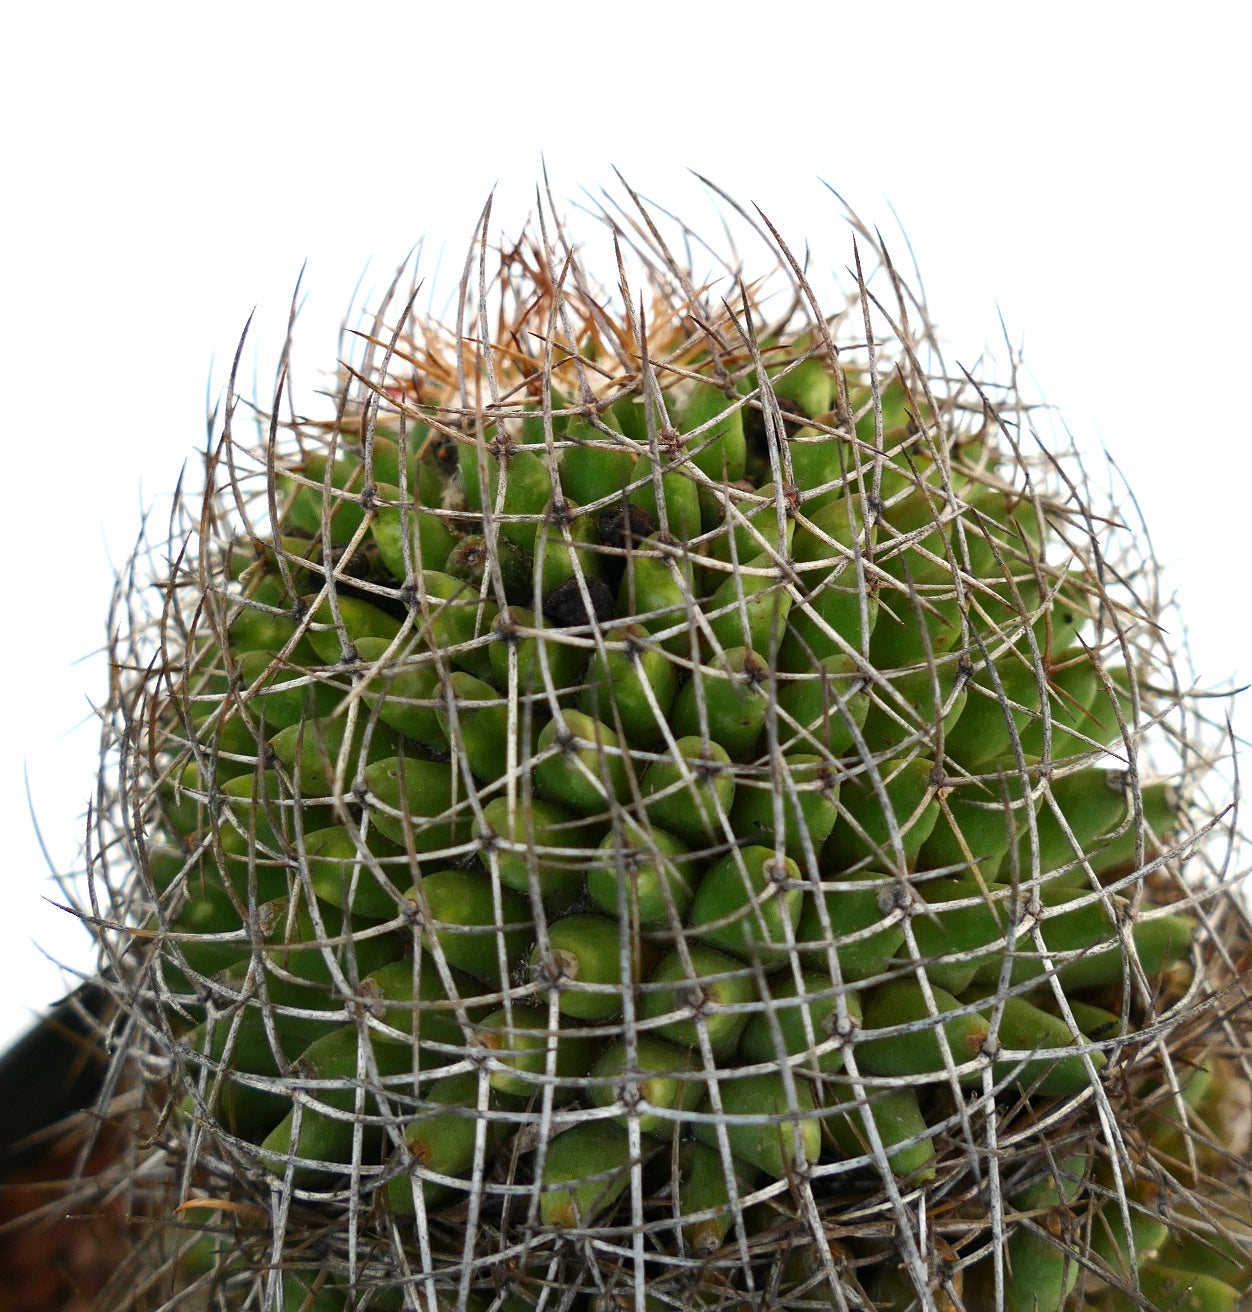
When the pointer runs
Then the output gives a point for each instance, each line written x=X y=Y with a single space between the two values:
x=669 y=798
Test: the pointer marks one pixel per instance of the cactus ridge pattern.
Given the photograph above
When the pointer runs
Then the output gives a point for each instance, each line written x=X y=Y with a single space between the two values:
x=666 y=796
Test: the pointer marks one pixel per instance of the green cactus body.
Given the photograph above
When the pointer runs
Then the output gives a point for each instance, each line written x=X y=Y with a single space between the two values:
x=652 y=870
x=586 y=1171
x=901 y=1128
x=669 y=1081
x=769 y=1128
x=632 y=685
x=442 y=1142
x=594 y=466
x=658 y=746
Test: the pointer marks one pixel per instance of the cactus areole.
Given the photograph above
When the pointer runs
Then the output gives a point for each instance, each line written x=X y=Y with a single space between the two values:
x=667 y=794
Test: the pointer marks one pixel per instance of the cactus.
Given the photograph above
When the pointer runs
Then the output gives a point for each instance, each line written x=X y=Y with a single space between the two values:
x=638 y=793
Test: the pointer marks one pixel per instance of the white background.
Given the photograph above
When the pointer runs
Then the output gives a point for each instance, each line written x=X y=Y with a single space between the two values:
x=1076 y=169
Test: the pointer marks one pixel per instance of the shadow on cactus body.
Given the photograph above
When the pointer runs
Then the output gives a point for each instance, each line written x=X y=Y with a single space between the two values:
x=670 y=798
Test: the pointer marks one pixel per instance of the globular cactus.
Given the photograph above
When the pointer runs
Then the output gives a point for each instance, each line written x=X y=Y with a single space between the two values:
x=669 y=797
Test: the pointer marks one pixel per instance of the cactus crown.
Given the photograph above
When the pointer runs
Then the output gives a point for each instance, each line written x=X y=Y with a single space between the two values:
x=667 y=797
